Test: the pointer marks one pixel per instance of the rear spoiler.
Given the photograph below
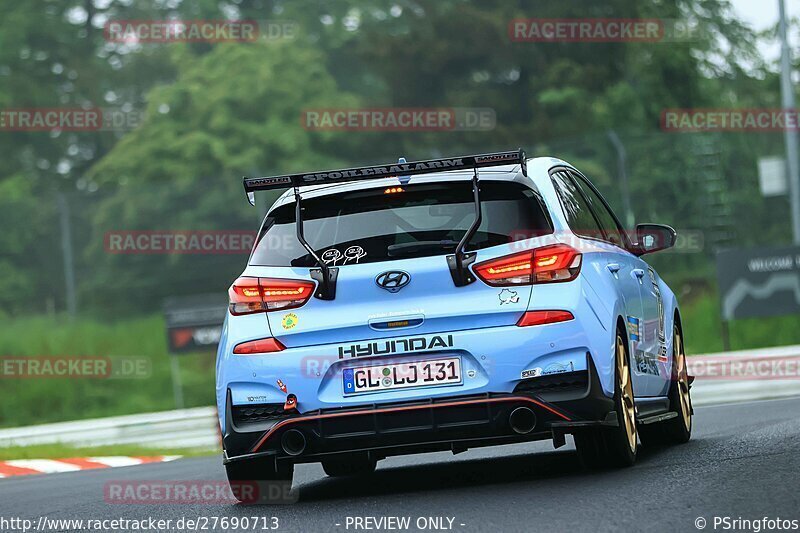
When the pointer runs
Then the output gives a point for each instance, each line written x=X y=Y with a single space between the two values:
x=414 y=168
x=458 y=262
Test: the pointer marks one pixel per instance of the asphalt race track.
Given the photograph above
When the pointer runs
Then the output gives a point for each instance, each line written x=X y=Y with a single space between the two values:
x=743 y=461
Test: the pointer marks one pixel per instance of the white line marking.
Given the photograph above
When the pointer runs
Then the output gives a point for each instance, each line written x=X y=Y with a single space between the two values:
x=44 y=465
x=115 y=461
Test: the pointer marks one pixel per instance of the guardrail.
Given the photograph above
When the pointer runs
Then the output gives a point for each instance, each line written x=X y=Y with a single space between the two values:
x=184 y=428
x=720 y=378
x=745 y=375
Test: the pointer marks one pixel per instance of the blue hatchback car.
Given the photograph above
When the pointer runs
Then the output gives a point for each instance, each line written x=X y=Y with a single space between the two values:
x=445 y=305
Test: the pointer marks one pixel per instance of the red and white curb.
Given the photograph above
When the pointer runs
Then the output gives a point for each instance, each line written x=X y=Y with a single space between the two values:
x=22 y=467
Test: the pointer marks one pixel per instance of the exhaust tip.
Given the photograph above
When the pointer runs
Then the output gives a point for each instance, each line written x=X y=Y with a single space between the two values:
x=522 y=420
x=293 y=442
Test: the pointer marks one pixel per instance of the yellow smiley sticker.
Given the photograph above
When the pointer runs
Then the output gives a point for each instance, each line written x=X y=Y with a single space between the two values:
x=289 y=321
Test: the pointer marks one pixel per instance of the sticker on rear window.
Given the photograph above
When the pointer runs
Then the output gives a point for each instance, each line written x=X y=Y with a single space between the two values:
x=354 y=254
x=331 y=256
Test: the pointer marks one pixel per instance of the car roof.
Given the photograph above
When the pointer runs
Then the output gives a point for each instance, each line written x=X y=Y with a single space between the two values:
x=537 y=166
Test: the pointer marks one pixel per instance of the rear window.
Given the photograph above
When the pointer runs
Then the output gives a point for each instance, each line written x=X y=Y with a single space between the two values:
x=368 y=226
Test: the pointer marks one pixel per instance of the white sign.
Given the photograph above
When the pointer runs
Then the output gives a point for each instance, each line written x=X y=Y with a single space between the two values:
x=772 y=176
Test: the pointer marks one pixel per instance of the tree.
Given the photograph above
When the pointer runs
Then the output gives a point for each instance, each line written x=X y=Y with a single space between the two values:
x=231 y=112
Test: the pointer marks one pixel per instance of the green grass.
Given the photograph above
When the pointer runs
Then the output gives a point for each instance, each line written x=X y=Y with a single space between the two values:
x=33 y=400
x=61 y=451
x=703 y=328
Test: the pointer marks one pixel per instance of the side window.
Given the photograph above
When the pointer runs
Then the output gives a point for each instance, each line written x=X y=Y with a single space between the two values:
x=608 y=223
x=579 y=216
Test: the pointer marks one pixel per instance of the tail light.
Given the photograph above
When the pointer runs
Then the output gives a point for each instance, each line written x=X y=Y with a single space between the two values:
x=256 y=295
x=539 y=318
x=547 y=264
x=269 y=345
x=558 y=262
x=509 y=270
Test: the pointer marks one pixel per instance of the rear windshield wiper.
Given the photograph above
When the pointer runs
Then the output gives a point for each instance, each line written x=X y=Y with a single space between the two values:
x=411 y=248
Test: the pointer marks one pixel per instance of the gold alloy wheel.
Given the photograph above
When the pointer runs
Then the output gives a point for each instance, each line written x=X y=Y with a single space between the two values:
x=626 y=391
x=683 y=380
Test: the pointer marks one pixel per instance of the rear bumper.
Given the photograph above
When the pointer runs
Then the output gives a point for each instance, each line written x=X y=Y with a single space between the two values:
x=438 y=424
x=493 y=360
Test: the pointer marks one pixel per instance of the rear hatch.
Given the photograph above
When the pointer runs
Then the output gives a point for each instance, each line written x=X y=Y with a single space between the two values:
x=404 y=232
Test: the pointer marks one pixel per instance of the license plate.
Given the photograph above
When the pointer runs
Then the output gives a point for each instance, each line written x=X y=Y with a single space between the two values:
x=402 y=375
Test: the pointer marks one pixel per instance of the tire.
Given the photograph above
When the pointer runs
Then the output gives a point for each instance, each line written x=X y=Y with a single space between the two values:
x=250 y=481
x=676 y=430
x=615 y=446
x=349 y=465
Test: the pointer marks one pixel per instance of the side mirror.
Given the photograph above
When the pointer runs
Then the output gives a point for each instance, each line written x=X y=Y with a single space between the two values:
x=654 y=237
